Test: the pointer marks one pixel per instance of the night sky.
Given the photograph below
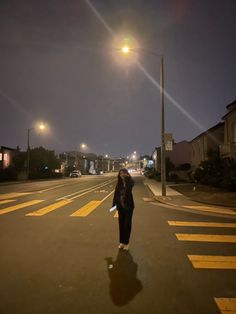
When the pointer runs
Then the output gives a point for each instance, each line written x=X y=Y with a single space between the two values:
x=58 y=65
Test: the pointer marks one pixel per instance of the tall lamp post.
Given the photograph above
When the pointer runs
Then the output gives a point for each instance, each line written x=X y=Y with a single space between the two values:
x=41 y=127
x=126 y=50
x=84 y=148
x=163 y=153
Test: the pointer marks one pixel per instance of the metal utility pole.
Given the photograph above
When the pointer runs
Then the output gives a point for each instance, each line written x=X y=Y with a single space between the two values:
x=28 y=153
x=163 y=157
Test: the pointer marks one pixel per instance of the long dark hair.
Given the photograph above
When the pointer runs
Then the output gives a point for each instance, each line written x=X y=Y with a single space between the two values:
x=120 y=181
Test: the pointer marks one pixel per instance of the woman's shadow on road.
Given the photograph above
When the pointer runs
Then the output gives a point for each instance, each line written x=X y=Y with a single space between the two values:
x=124 y=285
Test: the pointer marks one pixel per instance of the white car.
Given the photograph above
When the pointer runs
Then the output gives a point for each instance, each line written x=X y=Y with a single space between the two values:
x=75 y=174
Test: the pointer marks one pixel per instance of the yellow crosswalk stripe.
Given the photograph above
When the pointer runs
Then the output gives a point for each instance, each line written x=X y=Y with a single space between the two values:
x=201 y=224
x=226 y=305
x=220 y=210
x=6 y=201
x=116 y=215
x=12 y=195
x=49 y=208
x=213 y=262
x=86 y=209
x=206 y=237
x=19 y=206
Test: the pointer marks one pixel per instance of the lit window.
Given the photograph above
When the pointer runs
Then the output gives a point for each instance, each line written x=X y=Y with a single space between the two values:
x=5 y=157
x=0 y=156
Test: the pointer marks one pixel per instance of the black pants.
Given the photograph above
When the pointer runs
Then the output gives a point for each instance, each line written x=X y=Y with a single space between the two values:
x=125 y=224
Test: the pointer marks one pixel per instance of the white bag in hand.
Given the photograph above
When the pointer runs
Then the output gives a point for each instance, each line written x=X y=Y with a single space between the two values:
x=112 y=209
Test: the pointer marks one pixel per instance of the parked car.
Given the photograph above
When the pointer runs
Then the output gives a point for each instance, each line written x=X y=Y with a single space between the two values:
x=75 y=174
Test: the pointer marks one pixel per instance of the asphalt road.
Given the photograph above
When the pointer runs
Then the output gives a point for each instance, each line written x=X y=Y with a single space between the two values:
x=59 y=253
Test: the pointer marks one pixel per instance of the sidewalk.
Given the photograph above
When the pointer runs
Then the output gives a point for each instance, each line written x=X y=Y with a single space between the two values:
x=176 y=199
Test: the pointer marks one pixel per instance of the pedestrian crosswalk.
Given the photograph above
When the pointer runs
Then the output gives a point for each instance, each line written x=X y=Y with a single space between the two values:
x=213 y=262
x=13 y=195
x=49 y=208
x=87 y=209
x=8 y=206
x=208 y=261
x=226 y=305
x=202 y=224
x=19 y=206
x=206 y=237
x=6 y=201
x=220 y=262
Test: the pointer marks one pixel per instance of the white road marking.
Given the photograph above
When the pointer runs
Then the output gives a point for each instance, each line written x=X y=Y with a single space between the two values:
x=85 y=191
x=52 y=188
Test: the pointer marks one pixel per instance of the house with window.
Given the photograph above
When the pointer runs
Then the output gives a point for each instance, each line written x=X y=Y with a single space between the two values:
x=7 y=156
x=180 y=154
x=205 y=142
x=228 y=147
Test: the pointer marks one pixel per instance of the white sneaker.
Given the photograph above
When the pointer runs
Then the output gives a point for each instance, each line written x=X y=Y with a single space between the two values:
x=126 y=247
x=121 y=246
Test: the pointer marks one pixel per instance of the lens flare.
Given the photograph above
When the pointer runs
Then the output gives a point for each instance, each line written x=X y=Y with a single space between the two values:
x=126 y=49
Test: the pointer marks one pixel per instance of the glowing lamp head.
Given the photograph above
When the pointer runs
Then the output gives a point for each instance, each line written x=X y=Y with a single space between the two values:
x=41 y=127
x=125 y=49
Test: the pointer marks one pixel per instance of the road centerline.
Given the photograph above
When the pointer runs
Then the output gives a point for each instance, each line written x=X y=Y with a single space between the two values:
x=85 y=191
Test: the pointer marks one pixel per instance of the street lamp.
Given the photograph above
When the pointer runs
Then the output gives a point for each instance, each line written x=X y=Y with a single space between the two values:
x=83 y=146
x=40 y=127
x=84 y=149
x=108 y=162
x=126 y=50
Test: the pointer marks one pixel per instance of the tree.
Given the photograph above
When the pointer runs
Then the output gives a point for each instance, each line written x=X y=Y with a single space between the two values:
x=42 y=163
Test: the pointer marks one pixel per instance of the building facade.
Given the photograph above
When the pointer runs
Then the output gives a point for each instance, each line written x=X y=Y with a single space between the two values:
x=228 y=147
x=205 y=142
x=180 y=154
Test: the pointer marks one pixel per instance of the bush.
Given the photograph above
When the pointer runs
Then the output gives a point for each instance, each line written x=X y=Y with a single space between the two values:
x=8 y=174
x=217 y=172
x=151 y=173
x=173 y=177
x=184 y=167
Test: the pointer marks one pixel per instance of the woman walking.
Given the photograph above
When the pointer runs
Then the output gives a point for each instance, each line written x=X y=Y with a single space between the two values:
x=123 y=199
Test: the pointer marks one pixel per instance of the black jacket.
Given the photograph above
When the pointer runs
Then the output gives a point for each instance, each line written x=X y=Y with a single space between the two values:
x=128 y=199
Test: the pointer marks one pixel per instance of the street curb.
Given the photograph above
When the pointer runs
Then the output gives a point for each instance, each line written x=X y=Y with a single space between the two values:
x=212 y=204
x=162 y=199
x=197 y=200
